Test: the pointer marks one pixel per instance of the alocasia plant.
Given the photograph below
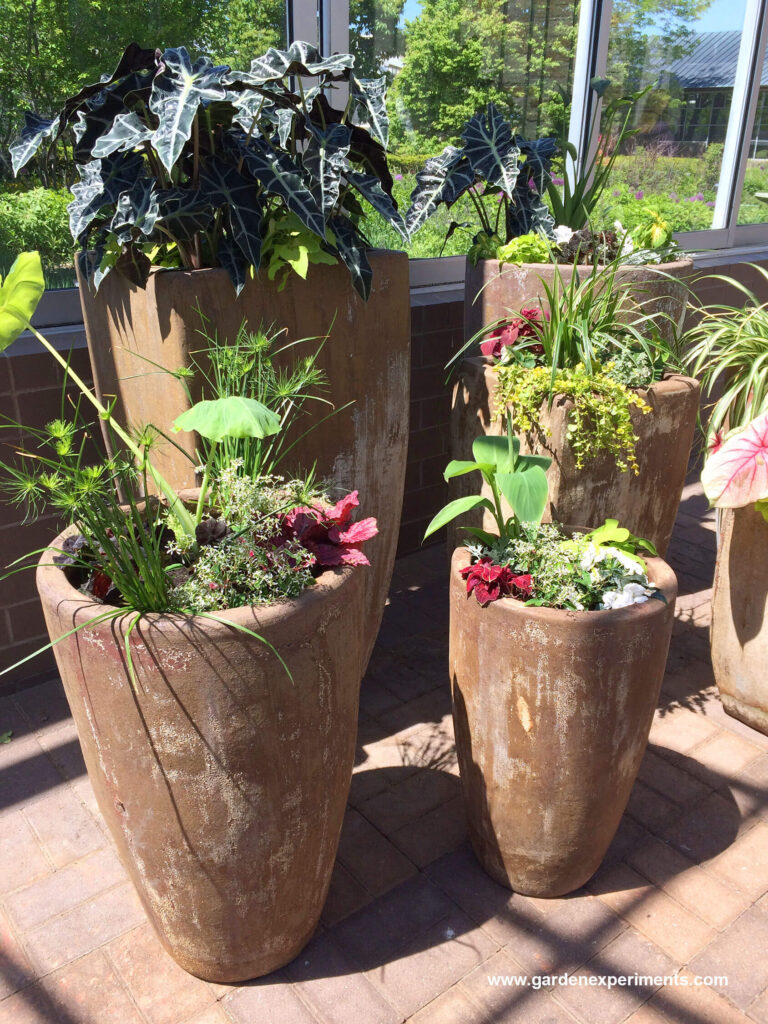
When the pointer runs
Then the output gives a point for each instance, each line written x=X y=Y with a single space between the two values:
x=194 y=165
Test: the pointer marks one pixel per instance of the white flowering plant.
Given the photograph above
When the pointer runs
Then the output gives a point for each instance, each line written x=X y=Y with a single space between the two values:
x=583 y=572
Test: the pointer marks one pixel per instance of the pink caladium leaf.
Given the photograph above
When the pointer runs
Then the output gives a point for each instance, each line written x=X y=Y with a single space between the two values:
x=736 y=473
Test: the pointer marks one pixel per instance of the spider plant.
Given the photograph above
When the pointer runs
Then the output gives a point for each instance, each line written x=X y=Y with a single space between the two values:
x=728 y=347
x=591 y=318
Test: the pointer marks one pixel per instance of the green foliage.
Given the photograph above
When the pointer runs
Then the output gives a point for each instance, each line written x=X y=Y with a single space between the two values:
x=599 y=422
x=521 y=479
x=728 y=350
x=575 y=573
x=232 y=416
x=35 y=219
x=20 y=292
x=528 y=248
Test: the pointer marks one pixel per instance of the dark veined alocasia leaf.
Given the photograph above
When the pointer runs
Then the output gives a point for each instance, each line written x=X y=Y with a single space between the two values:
x=133 y=265
x=233 y=416
x=96 y=117
x=324 y=160
x=443 y=179
x=529 y=212
x=127 y=132
x=35 y=130
x=490 y=148
x=538 y=155
x=363 y=150
x=299 y=59
x=178 y=89
x=101 y=182
x=134 y=59
x=275 y=170
x=367 y=98
x=20 y=293
x=183 y=212
x=222 y=185
x=351 y=249
x=232 y=260
x=369 y=187
x=136 y=211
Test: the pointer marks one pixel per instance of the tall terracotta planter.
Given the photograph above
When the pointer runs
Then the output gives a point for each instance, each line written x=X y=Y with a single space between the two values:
x=223 y=782
x=366 y=359
x=739 y=635
x=645 y=503
x=491 y=293
x=552 y=711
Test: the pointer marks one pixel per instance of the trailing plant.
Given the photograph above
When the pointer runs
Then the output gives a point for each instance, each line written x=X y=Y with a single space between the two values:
x=728 y=350
x=195 y=165
x=599 y=422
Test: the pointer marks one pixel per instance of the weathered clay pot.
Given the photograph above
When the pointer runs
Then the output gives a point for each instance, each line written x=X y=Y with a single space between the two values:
x=552 y=711
x=366 y=359
x=645 y=503
x=491 y=294
x=222 y=780
x=739 y=635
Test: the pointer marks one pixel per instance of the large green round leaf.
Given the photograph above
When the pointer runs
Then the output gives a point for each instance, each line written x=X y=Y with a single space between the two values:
x=526 y=491
x=19 y=295
x=229 y=417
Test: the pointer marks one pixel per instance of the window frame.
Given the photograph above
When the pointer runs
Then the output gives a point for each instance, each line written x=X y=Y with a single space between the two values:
x=326 y=23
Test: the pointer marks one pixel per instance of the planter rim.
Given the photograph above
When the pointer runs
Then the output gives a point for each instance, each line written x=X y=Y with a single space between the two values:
x=659 y=572
x=683 y=264
x=165 y=271
x=54 y=581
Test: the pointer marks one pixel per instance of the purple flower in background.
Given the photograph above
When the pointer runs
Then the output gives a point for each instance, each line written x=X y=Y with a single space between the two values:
x=699 y=197
x=639 y=194
x=616 y=192
x=532 y=186
x=711 y=202
x=499 y=197
x=558 y=181
x=398 y=177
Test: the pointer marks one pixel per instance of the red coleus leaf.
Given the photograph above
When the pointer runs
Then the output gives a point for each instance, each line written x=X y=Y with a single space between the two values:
x=487 y=581
x=328 y=532
x=356 y=533
x=527 y=325
x=523 y=584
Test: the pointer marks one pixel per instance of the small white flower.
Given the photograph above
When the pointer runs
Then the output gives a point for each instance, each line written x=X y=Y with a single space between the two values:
x=563 y=234
x=630 y=593
x=624 y=560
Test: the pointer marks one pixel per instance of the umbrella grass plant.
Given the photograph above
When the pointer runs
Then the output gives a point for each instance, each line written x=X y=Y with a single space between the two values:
x=246 y=540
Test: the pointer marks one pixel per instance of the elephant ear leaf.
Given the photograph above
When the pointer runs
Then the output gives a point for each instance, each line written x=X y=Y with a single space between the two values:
x=178 y=89
x=136 y=211
x=324 y=160
x=443 y=179
x=101 y=183
x=368 y=102
x=351 y=249
x=491 y=150
x=19 y=295
x=369 y=187
x=221 y=185
x=528 y=212
x=35 y=129
x=127 y=132
x=277 y=172
x=183 y=212
x=299 y=59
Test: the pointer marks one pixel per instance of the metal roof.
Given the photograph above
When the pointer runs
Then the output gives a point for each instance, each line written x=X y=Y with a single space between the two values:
x=711 y=62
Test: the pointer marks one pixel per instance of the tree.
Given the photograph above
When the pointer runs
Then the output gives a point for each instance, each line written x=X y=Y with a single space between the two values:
x=375 y=33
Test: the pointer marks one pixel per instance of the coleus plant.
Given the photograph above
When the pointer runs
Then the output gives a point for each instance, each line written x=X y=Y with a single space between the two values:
x=194 y=165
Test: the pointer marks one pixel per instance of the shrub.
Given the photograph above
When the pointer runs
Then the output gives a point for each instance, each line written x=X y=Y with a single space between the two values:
x=35 y=220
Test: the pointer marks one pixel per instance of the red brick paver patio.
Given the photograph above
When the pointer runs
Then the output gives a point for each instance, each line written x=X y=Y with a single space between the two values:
x=413 y=928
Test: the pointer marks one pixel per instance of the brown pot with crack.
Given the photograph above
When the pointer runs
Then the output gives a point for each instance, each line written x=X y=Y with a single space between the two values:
x=222 y=780
x=645 y=503
x=552 y=711
x=739 y=634
x=366 y=359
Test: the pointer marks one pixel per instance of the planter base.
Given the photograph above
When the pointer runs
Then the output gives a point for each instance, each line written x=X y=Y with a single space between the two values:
x=754 y=717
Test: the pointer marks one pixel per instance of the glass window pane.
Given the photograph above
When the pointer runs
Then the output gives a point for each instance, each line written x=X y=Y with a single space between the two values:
x=445 y=60
x=687 y=52
x=753 y=208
